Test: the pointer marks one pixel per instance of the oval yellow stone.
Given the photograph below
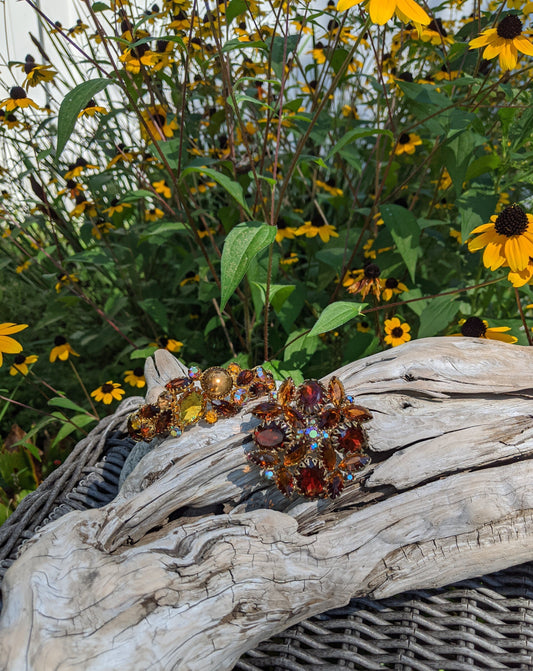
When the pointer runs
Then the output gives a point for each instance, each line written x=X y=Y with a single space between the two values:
x=191 y=408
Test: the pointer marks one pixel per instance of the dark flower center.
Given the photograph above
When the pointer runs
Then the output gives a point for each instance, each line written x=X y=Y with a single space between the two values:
x=163 y=341
x=436 y=25
x=406 y=76
x=159 y=119
x=391 y=283
x=90 y=104
x=107 y=388
x=19 y=358
x=509 y=27
x=473 y=328
x=317 y=221
x=161 y=46
x=372 y=271
x=60 y=340
x=17 y=93
x=313 y=84
x=365 y=325
x=29 y=66
x=138 y=372
x=282 y=224
x=404 y=138
x=397 y=332
x=81 y=162
x=511 y=221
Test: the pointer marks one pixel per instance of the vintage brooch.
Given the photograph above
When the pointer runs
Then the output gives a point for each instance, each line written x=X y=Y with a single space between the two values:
x=311 y=440
x=208 y=395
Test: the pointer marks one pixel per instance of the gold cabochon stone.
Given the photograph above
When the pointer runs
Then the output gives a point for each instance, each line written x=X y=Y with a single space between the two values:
x=216 y=382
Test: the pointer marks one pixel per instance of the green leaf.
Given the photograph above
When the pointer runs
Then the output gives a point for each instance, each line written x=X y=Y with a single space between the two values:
x=483 y=164
x=282 y=45
x=235 y=8
x=242 y=244
x=354 y=135
x=143 y=353
x=278 y=293
x=236 y=44
x=437 y=315
x=132 y=196
x=233 y=188
x=77 y=422
x=405 y=232
x=100 y=7
x=62 y=402
x=300 y=348
x=156 y=310
x=72 y=105
x=335 y=315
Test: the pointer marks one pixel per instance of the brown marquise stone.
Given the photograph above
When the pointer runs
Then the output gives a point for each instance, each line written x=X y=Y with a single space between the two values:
x=355 y=462
x=294 y=418
x=269 y=435
x=284 y=482
x=178 y=383
x=225 y=408
x=329 y=418
x=311 y=481
x=244 y=377
x=295 y=453
x=353 y=440
x=286 y=391
x=266 y=409
x=162 y=422
x=356 y=413
x=336 y=390
x=310 y=394
x=329 y=456
x=258 y=389
x=263 y=459
x=335 y=485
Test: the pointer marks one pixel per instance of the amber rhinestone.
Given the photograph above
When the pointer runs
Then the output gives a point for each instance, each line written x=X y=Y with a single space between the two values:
x=335 y=486
x=225 y=408
x=356 y=413
x=286 y=391
x=178 y=383
x=336 y=390
x=329 y=418
x=263 y=459
x=258 y=389
x=310 y=394
x=266 y=409
x=285 y=482
x=293 y=417
x=269 y=435
x=245 y=377
x=352 y=440
x=355 y=462
x=191 y=407
x=295 y=453
x=329 y=456
x=216 y=382
x=211 y=417
x=233 y=369
x=311 y=481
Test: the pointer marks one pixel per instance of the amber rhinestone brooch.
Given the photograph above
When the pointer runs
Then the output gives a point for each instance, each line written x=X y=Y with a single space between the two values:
x=311 y=440
x=201 y=395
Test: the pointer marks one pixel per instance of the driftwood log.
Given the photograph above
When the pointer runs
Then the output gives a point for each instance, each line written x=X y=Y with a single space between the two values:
x=196 y=560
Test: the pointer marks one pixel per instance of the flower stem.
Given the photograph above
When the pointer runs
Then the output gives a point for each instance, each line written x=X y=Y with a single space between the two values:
x=84 y=388
x=522 y=317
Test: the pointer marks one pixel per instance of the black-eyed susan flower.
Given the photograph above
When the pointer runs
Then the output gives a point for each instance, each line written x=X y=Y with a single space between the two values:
x=396 y=332
x=10 y=345
x=153 y=214
x=407 y=144
x=135 y=377
x=65 y=280
x=157 y=124
x=363 y=327
x=20 y=364
x=317 y=226
x=91 y=109
x=392 y=287
x=329 y=186
x=61 y=350
x=108 y=392
x=474 y=327
x=23 y=266
x=76 y=169
x=285 y=232
x=383 y=10
x=36 y=74
x=507 y=239
x=83 y=206
x=116 y=207
x=17 y=98
x=504 y=41
x=78 y=29
x=101 y=228
x=168 y=343
x=289 y=259
x=190 y=278
x=122 y=154
x=162 y=188
x=363 y=281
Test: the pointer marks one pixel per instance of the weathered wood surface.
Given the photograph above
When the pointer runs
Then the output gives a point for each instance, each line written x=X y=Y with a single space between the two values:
x=196 y=561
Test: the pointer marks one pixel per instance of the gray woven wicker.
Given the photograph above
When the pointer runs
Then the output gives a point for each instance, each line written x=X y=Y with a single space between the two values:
x=486 y=623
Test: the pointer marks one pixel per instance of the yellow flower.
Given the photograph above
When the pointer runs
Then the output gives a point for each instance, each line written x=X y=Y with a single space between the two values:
x=153 y=214
x=504 y=41
x=407 y=143
x=289 y=259
x=101 y=228
x=23 y=266
x=329 y=186
x=116 y=207
x=135 y=377
x=61 y=349
x=167 y=343
x=17 y=98
x=363 y=327
x=285 y=231
x=36 y=74
x=364 y=281
x=108 y=392
x=392 y=287
x=383 y=10
x=156 y=123
x=64 y=280
x=454 y=233
x=190 y=278
x=318 y=227
x=396 y=332
x=9 y=345
x=91 y=108
x=507 y=238
x=474 y=327
x=162 y=188
x=20 y=364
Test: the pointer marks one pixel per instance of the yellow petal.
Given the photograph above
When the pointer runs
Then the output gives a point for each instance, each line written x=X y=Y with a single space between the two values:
x=483 y=39
x=343 y=5
x=494 y=48
x=508 y=56
x=523 y=44
x=413 y=11
x=9 y=346
x=492 y=256
x=516 y=253
x=381 y=10
x=7 y=328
